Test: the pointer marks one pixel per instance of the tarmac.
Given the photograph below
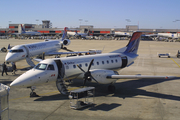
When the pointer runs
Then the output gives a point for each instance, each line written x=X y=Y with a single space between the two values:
x=134 y=99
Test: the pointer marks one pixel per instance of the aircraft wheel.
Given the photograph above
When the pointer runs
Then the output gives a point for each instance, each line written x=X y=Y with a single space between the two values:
x=33 y=94
x=111 y=88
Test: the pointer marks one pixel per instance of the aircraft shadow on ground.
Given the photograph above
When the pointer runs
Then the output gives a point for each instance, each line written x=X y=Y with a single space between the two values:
x=25 y=69
x=5 y=81
x=124 y=90
x=52 y=97
x=102 y=107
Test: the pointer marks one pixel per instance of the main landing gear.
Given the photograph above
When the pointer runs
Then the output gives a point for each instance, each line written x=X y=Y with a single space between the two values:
x=33 y=94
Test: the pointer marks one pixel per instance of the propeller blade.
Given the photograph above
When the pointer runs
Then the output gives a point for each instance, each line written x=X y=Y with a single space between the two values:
x=84 y=82
x=81 y=68
x=93 y=78
x=90 y=64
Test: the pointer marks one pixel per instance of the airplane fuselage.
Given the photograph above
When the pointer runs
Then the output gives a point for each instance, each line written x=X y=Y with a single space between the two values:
x=29 y=33
x=20 y=52
x=50 y=69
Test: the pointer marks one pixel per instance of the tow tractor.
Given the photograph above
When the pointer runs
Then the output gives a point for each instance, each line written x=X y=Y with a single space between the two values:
x=167 y=54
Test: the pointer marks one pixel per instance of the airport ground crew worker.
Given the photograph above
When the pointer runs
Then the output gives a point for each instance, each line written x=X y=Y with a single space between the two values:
x=14 y=68
x=4 y=67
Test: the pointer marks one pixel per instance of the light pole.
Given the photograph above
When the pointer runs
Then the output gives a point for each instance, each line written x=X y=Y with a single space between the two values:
x=80 y=21
x=127 y=27
x=86 y=21
x=37 y=21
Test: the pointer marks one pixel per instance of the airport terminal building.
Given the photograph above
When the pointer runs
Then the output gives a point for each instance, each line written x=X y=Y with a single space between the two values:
x=46 y=29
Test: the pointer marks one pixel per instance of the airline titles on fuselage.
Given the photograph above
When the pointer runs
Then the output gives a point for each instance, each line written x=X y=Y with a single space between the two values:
x=36 y=46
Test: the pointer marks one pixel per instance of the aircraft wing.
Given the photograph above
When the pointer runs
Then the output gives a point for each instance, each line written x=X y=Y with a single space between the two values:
x=61 y=53
x=138 y=76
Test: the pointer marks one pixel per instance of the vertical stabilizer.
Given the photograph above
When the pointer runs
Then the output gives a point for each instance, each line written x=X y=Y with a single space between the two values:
x=65 y=33
x=22 y=29
x=132 y=46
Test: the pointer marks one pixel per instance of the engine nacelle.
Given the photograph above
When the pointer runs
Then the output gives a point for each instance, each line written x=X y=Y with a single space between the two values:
x=66 y=42
x=101 y=76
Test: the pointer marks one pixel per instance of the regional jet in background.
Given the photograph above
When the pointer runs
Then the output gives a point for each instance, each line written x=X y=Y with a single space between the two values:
x=166 y=35
x=28 y=33
x=119 y=34
x=77 y=34
x=26 y=51
x=99 y=68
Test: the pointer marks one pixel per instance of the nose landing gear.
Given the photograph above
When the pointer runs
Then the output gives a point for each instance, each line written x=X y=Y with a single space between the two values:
x=33 y=94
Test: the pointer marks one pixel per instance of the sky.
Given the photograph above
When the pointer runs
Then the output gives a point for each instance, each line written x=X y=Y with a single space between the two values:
x=148 y=14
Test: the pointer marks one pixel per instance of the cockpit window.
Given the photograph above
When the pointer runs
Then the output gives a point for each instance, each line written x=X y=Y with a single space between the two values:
x=18 y=50
x=40 y=66
x=50 y=67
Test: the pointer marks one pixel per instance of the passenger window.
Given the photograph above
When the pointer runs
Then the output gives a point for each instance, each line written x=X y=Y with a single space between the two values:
x=74 y=66
x=86 y=64
x=102 y=62
x=97 y=63
x=50 y=67
x=80 y=65
x=112 y=61
x=107 y=61
x=116 y=60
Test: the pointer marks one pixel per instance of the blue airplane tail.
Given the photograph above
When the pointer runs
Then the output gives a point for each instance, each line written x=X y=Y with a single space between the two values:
x=132 y=46
x=23 y=30
x=65 y=33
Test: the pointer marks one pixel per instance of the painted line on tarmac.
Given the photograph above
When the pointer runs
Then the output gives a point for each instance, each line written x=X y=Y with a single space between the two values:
x=175 y=62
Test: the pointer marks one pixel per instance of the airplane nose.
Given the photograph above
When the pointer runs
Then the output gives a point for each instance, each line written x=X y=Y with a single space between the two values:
x=29 y=78
x=10 y=58
x=24 y=80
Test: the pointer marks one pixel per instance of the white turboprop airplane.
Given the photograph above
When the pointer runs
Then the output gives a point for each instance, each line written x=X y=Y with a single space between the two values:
x=26 y=51
x=99 y=68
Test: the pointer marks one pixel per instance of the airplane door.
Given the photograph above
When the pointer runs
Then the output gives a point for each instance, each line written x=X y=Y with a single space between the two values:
x=124 y=61
x=61 y=70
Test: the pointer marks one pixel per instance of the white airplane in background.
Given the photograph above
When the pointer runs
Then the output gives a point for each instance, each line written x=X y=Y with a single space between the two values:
x=167 y=35
x=26 y=51
x=122 y=34
x=28 y=33
x=99 y=68
x=77 y=34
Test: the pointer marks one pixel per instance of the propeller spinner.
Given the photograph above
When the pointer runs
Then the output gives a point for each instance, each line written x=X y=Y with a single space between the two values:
x=87 y=75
